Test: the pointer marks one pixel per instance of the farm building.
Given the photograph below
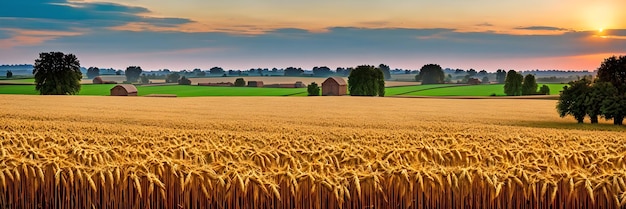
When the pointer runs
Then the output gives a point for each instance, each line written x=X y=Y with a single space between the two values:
x=299 y=84
x=124 y=90
x=473 y=81
x=334 y=86
x=255 y=83
x=99 y=80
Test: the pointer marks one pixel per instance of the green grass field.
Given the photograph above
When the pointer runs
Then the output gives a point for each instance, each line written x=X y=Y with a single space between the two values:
x=401 y=90
x=476 y=90
x=180 y=91
x=194 y=91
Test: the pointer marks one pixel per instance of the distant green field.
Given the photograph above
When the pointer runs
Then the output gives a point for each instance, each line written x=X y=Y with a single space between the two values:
x=401 y=90
x=180 y=91
x=194 y=91
x=476 y=90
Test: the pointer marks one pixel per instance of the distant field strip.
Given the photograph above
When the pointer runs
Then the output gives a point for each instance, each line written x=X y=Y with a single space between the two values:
x=475 y=90
x=401 y=90
x=304 y=152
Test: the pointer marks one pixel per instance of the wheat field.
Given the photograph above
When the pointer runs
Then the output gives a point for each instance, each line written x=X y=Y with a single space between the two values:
x=309 y=152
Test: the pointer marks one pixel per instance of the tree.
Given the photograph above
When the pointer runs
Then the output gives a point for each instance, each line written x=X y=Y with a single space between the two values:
x=184 y=81
x=482 y=73
x=386 y=71
x=500 y=76
x=144 y=79
x=366 y=80
x=544 y=90
x=613 y=70
x=431 y=74
x=313 y=89
x=132 y=73
x=485 y=80
x=513 y=83
x=9 y=74
x=216 y=71
x=292 y=71
x=572 y=100
x=57 y=74
x=472 y=72
x=92 y=72
x=321 y=71
x=529 y=86
x=240 y=82
x=172 y=77
x=118 y=72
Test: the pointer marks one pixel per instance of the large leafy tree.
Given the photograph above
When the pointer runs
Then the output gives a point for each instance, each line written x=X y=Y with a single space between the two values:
x=572 y=100
x=431 y=74
x=132 y=73
x=9 y=74
x=613 y=70
x=513 y=83
x=529 y=86
x=500 y=76
x=366 y=80
x=57 y=74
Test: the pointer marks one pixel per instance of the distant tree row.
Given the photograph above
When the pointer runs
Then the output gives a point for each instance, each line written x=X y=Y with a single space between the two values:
x=603 y=97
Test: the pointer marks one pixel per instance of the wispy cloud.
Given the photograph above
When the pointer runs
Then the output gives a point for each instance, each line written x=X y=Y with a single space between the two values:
x=544 y=28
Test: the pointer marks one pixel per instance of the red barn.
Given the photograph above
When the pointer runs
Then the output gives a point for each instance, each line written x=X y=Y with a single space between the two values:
x=334 y=86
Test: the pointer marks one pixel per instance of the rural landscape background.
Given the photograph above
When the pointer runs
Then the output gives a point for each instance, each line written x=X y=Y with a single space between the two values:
x=325 y=104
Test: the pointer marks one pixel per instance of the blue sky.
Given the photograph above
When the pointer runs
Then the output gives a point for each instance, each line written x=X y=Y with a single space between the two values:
x=242 y=34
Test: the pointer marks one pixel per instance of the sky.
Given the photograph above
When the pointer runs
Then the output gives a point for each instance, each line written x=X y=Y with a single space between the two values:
x=243 y=34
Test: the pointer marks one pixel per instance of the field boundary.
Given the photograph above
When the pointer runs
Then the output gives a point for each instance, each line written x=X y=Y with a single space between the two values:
x=543 y=97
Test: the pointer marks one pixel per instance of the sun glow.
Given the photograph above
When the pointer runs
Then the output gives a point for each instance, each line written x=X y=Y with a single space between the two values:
x=601 y=30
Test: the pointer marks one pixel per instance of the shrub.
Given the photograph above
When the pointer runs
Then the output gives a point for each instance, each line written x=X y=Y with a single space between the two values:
x=240 y=82
x=313 y=89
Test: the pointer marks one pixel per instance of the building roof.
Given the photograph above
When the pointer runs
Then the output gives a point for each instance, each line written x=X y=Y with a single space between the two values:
x=128 y=87
x=338 y=80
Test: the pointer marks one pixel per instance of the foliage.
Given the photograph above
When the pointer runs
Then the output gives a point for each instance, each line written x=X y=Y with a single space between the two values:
x=216 y=71
x=544 y=90
x=431 y=74
x=386 y=71
x=118 y=72
x=313 y=89
x=292 y=71
x=366 y=80
x=184 y=81
x=485 y=80
x=597 y=93
x=9 y=74
x=613 y=106
x=529 y=86
x=92 y=72
x=513 y=83
x=613 y=70
x=322 y=71
x=572 y=100
x=144 y=79
x=172 y=77
x=132 y=73
x=57 y=74
x=240 y=82
x=500 y=76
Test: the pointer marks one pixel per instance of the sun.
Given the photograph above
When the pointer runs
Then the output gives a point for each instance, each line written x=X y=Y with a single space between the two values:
x=601 y=30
